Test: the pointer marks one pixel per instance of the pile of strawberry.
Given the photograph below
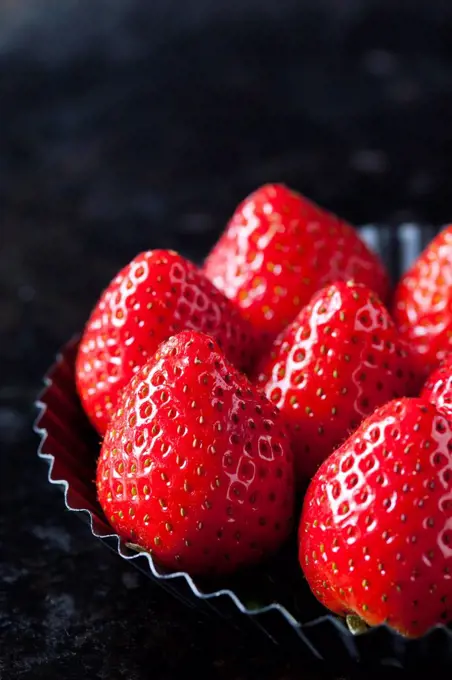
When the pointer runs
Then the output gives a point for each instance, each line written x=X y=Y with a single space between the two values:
x=286 y=362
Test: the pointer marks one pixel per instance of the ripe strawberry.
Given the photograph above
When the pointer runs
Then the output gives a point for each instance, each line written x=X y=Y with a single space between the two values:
x=279 y=249
x=157 y=294
x=438 y=387
x=375 y=537
x=337 y=361
x=196 y=464
x=423 y=303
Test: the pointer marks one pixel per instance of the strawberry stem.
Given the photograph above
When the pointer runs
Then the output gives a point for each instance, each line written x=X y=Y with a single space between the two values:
x=137 y=548
x=355 y=624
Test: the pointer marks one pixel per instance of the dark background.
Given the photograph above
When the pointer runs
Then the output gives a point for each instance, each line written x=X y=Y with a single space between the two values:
x=126 y=126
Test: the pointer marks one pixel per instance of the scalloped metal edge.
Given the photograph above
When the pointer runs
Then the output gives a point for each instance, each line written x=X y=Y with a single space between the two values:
x=339 y=625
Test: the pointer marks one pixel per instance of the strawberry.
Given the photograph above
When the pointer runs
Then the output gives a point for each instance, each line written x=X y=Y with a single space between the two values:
x=196 y=465
x=278 y=250
x=423 y=303
x=338 y=360
x=375 y=535
x=438 y=387
x=156 y=295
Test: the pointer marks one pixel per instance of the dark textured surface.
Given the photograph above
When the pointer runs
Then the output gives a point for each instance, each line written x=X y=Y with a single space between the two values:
x=124 y=128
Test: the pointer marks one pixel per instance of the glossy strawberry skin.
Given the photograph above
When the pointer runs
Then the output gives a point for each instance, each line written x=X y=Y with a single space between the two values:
x=339 y=360
x=278 y=249
x=438 y=387
x=196 y=464
x=422 y=305
x=375 y=535
x=157 y=294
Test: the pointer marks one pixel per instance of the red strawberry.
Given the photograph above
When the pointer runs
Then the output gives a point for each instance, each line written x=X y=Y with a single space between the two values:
x=423 y=303
x=196 y=464
x=158 y=294
x=337 y=361
x=438 y=387
x=279 y=249
x=375 y=537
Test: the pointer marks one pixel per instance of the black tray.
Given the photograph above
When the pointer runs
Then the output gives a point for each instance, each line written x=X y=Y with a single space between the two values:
x=274 y=597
